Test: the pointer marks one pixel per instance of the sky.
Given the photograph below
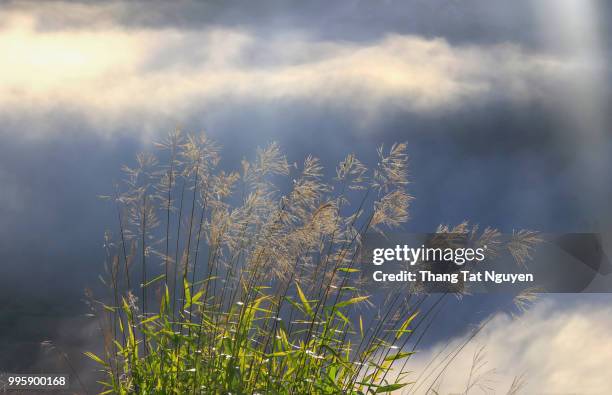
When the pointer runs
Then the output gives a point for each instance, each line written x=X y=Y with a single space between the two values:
x=504 y=106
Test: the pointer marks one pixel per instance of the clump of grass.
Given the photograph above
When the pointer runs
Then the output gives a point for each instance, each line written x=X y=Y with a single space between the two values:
x=245 y=282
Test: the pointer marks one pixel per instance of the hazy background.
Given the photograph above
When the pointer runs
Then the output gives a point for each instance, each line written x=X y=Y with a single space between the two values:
x=505 y=107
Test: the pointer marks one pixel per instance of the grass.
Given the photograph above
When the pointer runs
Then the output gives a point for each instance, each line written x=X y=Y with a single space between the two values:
x=245 y=282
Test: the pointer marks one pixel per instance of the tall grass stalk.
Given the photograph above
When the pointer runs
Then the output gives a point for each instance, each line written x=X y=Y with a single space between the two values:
x=269 y=298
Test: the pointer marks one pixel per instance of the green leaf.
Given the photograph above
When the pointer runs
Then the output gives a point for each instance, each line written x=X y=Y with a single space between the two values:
x=108 y=308
x=303 y=299
x=343 y=317
x=361 y=326
x=280 y=354
x=187 y=293
x=95 y=358
x=293 y=303
x=152 y=318
x=347 y=270
x=402 y=329
x=351 y=301
x=156 y=279
x=197 y=296
x=399 y=355
x=389 y=388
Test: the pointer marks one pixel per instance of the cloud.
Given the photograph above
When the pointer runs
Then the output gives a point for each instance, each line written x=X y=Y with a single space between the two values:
x=558 y=350
x=109 y=72
x=10 y=194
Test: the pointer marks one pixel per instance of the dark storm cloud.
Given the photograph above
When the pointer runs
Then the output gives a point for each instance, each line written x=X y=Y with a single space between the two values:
x=476 y=21
x=459 y=22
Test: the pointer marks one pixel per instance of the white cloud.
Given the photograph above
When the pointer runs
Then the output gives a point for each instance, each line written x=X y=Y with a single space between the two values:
x=559 y=351
x=109 y=72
